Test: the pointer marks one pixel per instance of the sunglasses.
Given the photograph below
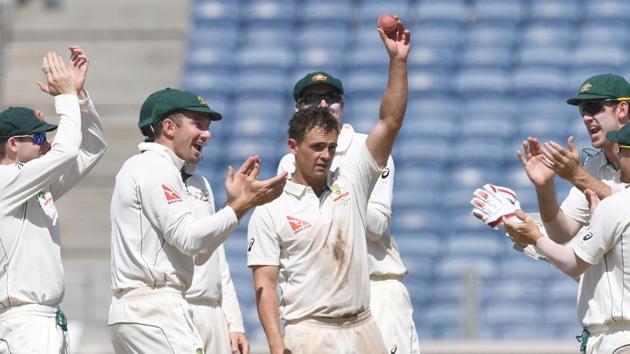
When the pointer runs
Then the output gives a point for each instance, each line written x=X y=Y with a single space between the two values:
x=37 y=138
x=316 y=98
x=594 y=107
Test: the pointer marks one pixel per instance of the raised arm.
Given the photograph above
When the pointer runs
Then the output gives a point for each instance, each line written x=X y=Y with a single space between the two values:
x=379 y=208
x=394 y=104
x=93 y=144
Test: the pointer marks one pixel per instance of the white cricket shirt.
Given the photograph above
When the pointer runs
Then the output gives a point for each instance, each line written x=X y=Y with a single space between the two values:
x=31 y=271
x=319 y=244
x=155 y=232
x=383 y=254
x=575 y=204
x=211 y=278
x=604 y=291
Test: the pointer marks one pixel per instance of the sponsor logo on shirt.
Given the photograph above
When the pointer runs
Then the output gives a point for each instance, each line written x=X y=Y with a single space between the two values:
x=171 y=195
x=385 y=173
x=588 y=236
x=250 y=244
x=297 y=225
x=338 y=192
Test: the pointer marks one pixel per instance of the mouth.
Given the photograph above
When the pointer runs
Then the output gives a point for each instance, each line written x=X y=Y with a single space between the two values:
x=198 y=147
x=592 y=130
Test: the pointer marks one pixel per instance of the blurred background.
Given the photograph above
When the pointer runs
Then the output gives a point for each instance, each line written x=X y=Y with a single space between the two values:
x=483 y=75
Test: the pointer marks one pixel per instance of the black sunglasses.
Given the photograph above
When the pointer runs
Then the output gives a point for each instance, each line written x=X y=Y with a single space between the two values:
x=594 y=107
x=316 y=98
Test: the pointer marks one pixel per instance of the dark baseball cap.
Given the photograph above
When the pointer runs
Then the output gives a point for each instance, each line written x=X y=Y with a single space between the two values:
x=146 y=111
x=621 y=136
x=21 y=121
x=602 y=87
x=178 y=100
x=318 y=77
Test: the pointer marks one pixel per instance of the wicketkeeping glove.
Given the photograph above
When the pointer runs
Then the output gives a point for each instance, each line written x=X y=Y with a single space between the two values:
x=492 y=204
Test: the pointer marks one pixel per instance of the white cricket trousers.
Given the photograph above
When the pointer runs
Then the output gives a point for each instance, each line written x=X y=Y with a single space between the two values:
x=392 y=310
x=153 y=320
x=31 y=328
x=354 y=335
x=615 y=340
x=212 y=326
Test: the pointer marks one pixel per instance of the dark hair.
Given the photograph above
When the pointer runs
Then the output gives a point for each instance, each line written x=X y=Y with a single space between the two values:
x=3 y=149
x=308 y=118
x=157 y=126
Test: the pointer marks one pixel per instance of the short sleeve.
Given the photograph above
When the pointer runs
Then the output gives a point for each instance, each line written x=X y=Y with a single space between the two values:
x=263 y=242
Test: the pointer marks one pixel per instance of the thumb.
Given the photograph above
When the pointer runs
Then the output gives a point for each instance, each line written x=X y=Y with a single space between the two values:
x=234 y=345
x=521 y=214
x=230 y=174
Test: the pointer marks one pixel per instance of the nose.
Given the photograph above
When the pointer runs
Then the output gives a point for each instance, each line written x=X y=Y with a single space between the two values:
x=206 y=135
x=323 y=103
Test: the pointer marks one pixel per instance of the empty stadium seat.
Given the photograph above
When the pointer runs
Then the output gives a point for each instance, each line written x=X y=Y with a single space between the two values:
x=498 y=11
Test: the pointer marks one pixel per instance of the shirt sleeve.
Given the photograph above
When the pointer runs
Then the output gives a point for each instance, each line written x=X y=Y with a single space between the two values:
x=161 y=197
x=229 y=300
x=39 y=174
x=91 y=150
x=263 y=243
x=361 y=171
x=287 y=164
x=607 y=226
x=380 y=204
x=575 y=206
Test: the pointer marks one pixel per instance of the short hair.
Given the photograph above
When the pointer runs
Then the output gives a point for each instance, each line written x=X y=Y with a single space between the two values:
x=310 y=117
x=157 y=126
x=3 y=150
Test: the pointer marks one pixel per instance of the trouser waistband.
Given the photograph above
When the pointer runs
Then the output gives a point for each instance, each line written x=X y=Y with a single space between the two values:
x=349 y=321
x=616 y=326
x=147 y=291
x=28 y=309
x=386 y=277
x=203 y=301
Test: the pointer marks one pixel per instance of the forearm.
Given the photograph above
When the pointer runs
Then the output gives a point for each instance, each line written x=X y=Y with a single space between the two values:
x=394 y=103
x=193 y=236
x=547 y=202
x=561 y=257
x=584 y=180
x=267 y=305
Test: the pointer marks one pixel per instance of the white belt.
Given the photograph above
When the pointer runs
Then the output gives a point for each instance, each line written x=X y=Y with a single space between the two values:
x=28 y=309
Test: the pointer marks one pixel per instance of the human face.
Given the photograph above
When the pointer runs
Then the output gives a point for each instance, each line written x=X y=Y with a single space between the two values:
x=314 y=155
x=29 y=147
x=624 y=163
x=191 y=132
x=324 y=96
x=600 y=118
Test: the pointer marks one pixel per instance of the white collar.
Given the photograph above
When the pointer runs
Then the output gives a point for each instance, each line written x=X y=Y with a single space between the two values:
x=162 y=150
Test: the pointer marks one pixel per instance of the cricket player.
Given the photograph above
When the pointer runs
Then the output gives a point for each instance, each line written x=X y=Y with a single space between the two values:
x=603 y=103
x=34 y=174
x=312 y=240
x=215 y=308
x=159 y=234
x=390 y=302
x=600 y=256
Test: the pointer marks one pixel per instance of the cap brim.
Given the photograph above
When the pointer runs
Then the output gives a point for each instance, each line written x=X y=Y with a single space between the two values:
x=213 y=115
x=585 y=97
x=45 y=127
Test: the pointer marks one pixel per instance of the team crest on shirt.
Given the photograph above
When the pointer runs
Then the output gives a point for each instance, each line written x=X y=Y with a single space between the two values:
x=297 y=225
x=171 y=195
x=340 y=194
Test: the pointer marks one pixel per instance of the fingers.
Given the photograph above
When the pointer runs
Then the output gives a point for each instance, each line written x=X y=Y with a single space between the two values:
x=571 y=145
x=247 y=165
x=42 y=87
x=521 y=157
x=46 y=68
x=230 y=174
x=255 y=172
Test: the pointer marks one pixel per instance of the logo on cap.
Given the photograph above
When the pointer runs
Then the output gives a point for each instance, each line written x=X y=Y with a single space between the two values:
x=319 y=77
x=202 y=100
x=587 y=86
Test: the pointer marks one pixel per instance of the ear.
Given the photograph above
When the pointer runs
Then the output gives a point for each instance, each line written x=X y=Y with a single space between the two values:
x=342 y=104
x=11 y=145
x=168 y=127
x=292 y=143
x=623 y=109
x=297 y=107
